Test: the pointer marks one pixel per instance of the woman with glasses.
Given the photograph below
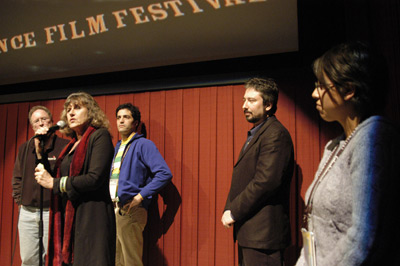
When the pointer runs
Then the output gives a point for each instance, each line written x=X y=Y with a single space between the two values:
x=350 y=204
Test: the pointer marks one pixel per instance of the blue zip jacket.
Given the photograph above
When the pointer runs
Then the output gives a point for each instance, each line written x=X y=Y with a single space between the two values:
x=143 y=170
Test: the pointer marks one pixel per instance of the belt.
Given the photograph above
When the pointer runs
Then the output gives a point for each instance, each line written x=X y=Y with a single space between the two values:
x=34 y=209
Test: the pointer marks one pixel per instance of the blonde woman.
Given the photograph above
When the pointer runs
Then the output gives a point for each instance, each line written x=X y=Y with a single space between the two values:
x=82 y=220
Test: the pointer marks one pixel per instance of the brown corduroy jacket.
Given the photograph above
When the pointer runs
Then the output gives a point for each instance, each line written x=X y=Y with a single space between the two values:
x=259 y=193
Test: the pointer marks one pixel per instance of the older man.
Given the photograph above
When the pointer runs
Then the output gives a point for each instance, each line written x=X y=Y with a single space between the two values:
x=26 y=191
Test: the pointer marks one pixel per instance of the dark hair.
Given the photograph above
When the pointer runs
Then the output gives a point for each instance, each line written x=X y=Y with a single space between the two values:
x=141 y=128
x=268 y=89
x=356 y=66
x=133 y=109
x=39 y=107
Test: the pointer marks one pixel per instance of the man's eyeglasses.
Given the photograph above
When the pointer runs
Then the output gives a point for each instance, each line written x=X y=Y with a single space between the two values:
x=42 y=119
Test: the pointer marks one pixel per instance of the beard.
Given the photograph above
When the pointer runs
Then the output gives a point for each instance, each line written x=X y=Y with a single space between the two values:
x=254 y=119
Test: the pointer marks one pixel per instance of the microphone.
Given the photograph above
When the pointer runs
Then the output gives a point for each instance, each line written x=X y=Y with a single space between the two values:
x=60 y=124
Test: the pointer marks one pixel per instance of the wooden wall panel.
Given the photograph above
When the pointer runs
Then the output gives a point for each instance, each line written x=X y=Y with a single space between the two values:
x=225 y=252
x=142 y=100
x=190 y=177
x=6 y=199
x=4 y=257
x=22 y=136
x=157 y=125
x=207 y=166
x=112 y=102
x=171 y=219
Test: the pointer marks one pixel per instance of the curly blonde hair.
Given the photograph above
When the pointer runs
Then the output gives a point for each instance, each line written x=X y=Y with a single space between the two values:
x=96 y=117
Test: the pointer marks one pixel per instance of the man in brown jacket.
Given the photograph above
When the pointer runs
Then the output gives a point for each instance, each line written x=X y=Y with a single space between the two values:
x=258 y=201
x=26 y=192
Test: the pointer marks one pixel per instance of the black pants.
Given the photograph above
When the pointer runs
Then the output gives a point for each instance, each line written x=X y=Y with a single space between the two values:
x=260 y=257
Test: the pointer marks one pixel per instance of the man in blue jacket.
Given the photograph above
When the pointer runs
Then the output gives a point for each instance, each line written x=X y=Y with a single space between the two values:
x=138 y=172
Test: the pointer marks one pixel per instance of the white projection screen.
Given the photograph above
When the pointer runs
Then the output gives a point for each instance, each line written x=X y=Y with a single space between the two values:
x=50 y=39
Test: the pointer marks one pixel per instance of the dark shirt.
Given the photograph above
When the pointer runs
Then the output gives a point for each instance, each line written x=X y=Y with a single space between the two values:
x=26 y=191
x=252 y=132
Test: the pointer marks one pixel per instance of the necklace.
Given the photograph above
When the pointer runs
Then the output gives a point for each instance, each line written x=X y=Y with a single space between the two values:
x=325 y=169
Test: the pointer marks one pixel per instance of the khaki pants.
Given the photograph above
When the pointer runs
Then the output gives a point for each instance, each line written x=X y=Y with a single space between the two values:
x=130 y=228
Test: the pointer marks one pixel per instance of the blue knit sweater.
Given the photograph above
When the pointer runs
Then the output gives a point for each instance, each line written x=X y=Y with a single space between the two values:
x=143 y=170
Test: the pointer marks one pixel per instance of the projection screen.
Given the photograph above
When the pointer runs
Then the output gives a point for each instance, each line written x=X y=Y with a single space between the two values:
x=50 y=39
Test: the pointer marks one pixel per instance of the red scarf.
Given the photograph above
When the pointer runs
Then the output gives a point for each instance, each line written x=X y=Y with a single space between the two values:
x=60 y=248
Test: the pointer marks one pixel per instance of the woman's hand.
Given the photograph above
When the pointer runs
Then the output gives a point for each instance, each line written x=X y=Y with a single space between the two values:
x=43 y=177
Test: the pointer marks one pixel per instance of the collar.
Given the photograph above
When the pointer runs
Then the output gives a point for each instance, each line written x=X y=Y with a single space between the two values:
x=254 y=130
x=123 y=142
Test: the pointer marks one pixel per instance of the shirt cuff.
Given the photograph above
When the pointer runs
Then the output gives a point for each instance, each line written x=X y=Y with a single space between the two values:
x=140 y=196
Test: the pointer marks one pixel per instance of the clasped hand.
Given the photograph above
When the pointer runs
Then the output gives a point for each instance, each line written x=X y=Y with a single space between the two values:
x=42 y=131
x=43 y=177
x=226 y=219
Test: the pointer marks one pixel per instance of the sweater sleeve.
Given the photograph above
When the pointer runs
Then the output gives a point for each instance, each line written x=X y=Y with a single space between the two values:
x=373 y=153
x=160 y=172
x=17 y=175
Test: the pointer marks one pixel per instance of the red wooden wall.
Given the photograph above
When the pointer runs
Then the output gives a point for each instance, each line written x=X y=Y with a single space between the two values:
x=199 y=131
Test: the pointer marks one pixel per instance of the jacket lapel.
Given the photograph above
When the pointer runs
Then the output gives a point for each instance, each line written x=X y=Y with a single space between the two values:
x=255 y=138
